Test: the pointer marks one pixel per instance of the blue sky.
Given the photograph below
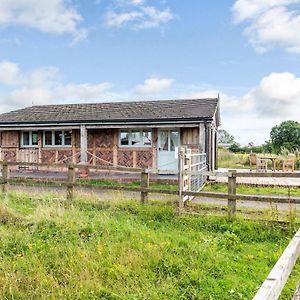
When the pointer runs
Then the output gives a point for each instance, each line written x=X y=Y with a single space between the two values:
x=62 y=51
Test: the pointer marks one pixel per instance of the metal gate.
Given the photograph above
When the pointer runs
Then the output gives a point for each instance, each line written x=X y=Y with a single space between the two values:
x=192 y=177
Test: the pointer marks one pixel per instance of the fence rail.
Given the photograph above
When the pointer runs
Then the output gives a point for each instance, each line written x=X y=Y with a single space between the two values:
x=144 y=188
x=276 y=280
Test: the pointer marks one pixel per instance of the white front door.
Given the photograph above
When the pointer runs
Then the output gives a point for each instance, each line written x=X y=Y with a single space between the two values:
x=168 y=142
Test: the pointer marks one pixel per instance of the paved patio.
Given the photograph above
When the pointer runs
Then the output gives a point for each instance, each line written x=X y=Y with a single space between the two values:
x=263 y=181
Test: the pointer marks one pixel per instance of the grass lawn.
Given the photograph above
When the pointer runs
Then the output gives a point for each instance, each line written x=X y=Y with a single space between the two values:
x=89 y=249
x=101 y=182
x=98 y=182
x=253 y=190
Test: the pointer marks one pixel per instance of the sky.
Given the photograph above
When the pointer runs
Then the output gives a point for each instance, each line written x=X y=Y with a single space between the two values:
x=69 y=51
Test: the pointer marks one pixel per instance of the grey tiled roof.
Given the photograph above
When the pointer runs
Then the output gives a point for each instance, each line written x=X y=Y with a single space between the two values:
x=144 y=111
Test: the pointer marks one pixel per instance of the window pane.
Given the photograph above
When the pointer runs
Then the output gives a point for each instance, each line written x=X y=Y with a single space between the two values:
x=68 y=138
x=147 y=137
x=174 y=138
x=25 y=138
x=58 y=138
x=35 y=138
x=164 y=140
x=124 y=138
x=135 y=138
x=48 y=138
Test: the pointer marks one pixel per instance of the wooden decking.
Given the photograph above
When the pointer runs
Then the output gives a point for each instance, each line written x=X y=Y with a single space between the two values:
x=259 y=181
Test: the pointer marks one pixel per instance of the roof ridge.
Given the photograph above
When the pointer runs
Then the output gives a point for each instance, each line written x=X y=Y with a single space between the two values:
x=127 y=102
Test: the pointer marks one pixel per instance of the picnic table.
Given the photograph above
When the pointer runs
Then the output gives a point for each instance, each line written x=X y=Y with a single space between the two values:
x=273 y=160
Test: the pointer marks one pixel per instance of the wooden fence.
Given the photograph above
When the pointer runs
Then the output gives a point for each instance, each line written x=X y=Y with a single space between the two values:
x=270 y=290
x=231 y=196
x=276 y=280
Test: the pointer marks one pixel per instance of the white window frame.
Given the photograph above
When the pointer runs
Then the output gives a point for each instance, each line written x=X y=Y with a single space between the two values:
x=130 y=138
x=63 y=145
x=30 y=139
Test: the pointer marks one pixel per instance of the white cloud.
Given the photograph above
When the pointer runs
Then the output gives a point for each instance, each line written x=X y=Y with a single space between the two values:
x=251 y=116
x=154 y=86
x=229 y=103
x=84 y=91
x=114 y=19
x=270 y=23
x=154 y=18
x=137 y=15
x=50 y=16
x=42 y=86
x=9 y=72
x=250 y=9
x=278 y=94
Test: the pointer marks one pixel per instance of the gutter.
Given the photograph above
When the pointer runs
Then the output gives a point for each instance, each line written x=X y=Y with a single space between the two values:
x=90 y=123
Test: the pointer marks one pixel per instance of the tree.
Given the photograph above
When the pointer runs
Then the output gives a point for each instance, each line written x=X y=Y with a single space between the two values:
x=286 y=135
x=224 y=137
x=267 y=147
x=235 y=147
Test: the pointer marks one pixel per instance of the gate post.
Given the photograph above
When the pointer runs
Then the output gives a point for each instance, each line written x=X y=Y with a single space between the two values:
x=144 y=184
x=189 y=164
x=181 y=153
x=231 y=194
x=5 y=176
x=71 y=181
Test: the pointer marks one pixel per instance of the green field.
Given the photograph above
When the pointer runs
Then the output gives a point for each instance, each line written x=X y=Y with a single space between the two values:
x=51 y=249
x=228 y=159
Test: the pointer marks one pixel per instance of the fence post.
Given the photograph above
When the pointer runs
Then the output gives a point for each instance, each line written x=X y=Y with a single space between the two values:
x=181 y=152
x=71 y=181
x=231 y=193
x=5 y=176
x=144 y=184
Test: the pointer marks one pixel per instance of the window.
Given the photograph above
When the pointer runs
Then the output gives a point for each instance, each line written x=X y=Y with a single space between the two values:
x=147 y=137
x=169 y=140
x=57 y=138
x=124 y=138
x=48 y=138
x=135 y=138
x=29 y=139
